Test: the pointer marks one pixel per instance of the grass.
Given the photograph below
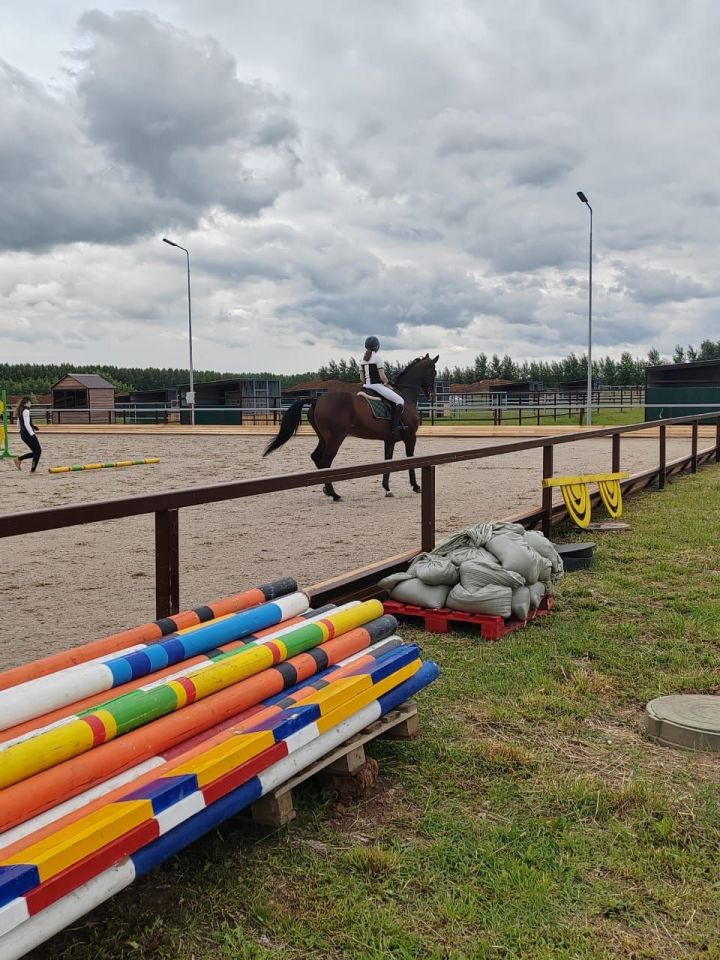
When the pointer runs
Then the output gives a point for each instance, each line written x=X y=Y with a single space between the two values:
x=530 y=820
x=601 y=418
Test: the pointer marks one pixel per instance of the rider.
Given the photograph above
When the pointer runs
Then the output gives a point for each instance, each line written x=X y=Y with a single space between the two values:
x=373 y=377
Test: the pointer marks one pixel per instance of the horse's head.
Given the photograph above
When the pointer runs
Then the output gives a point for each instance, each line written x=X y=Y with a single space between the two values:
x=421 y=374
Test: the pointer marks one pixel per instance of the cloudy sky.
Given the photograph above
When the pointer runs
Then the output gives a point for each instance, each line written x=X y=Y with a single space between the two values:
x=399 y=167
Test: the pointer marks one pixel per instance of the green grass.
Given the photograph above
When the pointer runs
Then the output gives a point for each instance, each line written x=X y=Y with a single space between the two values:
x=601 y=418
x=531 y=819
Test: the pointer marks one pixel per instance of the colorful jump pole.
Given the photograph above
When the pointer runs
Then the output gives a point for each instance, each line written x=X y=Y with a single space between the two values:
x=4 y=449
x=126 y=713
x=102 y=466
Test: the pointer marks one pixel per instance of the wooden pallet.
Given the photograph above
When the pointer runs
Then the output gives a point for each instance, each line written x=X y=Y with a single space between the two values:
x=440 y=621
x=276 y=808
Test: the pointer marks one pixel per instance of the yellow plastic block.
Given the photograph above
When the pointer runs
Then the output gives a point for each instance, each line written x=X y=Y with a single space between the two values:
x=350 y=707
x=60 y=850
x=23 y=760
x=226 y=756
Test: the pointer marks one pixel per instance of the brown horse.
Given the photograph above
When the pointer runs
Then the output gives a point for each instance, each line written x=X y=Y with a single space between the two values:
x=337 y=415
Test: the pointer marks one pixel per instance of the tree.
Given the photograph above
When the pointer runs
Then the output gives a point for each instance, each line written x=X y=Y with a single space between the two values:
x=691 y=353
x=494 y=369
x=709 y=350
x=679 y=354
x=653 y=358
x=480 y=371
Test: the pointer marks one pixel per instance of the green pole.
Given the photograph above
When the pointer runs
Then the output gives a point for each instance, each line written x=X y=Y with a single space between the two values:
x=4 y=451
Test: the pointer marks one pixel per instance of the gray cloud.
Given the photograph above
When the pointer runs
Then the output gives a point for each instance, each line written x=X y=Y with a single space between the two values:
x=421 y=182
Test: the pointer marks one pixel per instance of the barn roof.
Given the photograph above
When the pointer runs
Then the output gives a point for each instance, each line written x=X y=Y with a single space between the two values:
x=90 y=380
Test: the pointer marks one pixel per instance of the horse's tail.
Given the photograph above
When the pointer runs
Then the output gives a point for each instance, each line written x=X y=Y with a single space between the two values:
x=288 y=426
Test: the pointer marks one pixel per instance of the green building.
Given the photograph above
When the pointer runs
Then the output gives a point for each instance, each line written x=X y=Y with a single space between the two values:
x=682 y=389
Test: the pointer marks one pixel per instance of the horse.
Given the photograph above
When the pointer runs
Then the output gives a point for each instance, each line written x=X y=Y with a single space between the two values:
x=337 y=415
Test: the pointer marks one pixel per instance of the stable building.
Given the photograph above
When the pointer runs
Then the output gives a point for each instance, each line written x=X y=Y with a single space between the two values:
x=83 y=398
x=695 y=386
x=232 y=401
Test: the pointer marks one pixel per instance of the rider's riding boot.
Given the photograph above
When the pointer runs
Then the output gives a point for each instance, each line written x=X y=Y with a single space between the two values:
x=396 y=425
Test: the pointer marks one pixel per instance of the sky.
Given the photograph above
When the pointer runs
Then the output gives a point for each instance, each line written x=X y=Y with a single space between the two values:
x=404 y=168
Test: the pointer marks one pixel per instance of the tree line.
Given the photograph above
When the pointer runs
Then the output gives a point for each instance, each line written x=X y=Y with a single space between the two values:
x=38 y=378
x=626 y=371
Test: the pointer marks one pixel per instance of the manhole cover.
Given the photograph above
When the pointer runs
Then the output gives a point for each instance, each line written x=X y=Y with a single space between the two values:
x=685 y=720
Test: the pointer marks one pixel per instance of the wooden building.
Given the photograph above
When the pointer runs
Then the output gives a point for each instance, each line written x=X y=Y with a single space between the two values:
x=691 y=384
x=83 y=398
x=312 y=389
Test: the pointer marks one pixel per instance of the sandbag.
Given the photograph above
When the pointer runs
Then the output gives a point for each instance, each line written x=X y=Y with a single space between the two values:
x=393 y=579
x=492 y=600
x=435 y=571
x=514 y=554
x=537 y=592
x=540 y=544
x=521 y=602
x=505 y=528
x=476 y=536
x=472 y=553
x=475 y=574
x=420 y=594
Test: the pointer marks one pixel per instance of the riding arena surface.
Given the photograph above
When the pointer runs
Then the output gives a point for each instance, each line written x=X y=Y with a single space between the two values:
x=65 y=587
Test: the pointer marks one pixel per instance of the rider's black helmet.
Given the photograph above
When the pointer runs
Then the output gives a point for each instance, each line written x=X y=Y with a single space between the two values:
x=372 y=343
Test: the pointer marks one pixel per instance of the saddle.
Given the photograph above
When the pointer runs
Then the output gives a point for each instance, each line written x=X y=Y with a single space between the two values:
x=381 y=408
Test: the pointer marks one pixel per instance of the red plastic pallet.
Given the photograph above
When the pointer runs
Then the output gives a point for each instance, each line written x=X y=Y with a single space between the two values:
x=439 y=621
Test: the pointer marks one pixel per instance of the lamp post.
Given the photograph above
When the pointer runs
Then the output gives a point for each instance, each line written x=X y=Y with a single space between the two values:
x=191 y=395
x=584 y=199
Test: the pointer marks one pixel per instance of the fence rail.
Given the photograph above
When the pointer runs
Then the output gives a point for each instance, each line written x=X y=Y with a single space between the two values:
x=166 y=505
x=478 y=410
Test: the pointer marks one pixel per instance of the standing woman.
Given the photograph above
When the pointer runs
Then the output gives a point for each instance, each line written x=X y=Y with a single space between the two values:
x=28 y=433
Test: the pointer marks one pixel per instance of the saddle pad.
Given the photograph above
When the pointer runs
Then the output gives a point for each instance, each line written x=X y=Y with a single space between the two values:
x=381 y=408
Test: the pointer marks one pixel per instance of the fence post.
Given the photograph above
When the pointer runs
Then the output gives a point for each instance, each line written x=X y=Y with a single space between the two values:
x=615 y=452
x=663 y=457
x=694 y=448
x=547 y=492
x=427 y=509
x=717 y=442
x=167 y=563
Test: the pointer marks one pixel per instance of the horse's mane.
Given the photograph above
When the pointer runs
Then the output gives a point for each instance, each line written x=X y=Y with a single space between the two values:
x=410 y=366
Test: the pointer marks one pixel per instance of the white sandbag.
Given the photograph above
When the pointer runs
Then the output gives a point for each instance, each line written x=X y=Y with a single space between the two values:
x=420 y=594
x=505 y=528
x=492 y=600
x=476 y=536
x=436 y=570
x=537 y=592
x=393 y=579
x=475 y=574
x=540 y=544
x=520 y=604
x=514 y=554
x=472 y=553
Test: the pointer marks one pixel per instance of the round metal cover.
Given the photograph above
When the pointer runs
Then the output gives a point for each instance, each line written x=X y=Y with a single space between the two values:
x=685 y=720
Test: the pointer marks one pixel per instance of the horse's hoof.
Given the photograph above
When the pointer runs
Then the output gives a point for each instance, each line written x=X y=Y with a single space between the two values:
x=337 y=499
x=389 y=494
x=417 y=488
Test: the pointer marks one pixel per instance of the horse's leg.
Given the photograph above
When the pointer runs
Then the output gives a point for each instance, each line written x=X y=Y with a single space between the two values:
x=410 y=440
x=389 y=451
x=324 y=460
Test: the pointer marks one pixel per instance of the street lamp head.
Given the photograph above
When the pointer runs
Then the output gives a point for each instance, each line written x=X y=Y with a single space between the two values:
x=582 y=197
x=165 y=240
